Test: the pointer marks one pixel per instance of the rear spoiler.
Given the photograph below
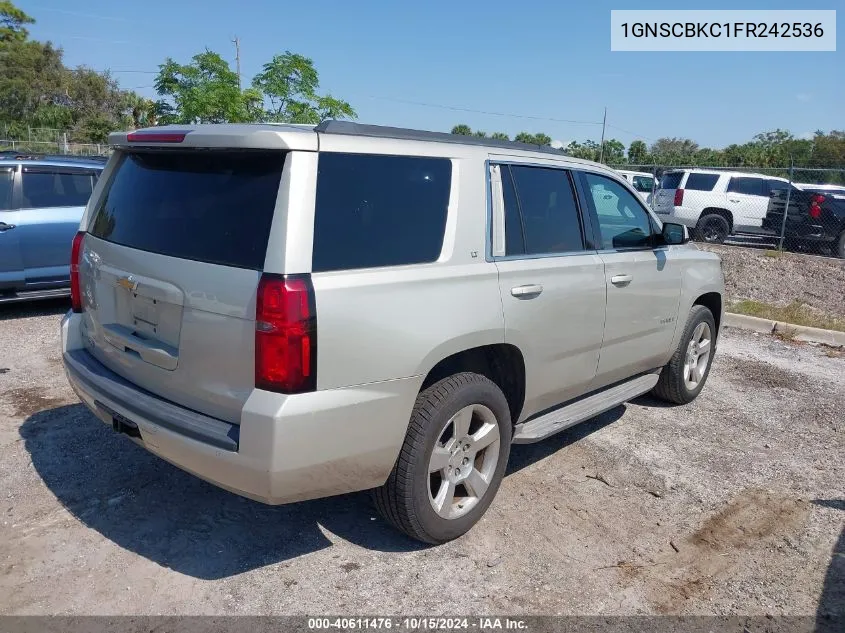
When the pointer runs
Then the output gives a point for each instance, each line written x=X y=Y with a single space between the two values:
x=232 y=136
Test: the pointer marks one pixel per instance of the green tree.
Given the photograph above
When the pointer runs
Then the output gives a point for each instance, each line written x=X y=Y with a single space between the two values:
x=500 y=136
x=204 y=91
x=289 y=82
x=674 y=150
x=588 y=150
x=533 y=139
x=638 y=153
x=462 y=129
x=12 y=21
x=614 y=152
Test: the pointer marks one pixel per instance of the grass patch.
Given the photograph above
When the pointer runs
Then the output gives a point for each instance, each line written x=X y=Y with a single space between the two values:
x=795 y=313
x=773 y=253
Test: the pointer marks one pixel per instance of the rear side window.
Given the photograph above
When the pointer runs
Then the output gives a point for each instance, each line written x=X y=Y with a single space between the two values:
x=376 y=210
x=6 y=189
x=748 y=186
x=210 y=206
x=48 y=188
x=702 y=182
x=671 y=179
x=547 y=208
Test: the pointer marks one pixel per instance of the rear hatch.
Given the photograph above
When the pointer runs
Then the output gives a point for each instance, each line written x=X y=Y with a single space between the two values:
x=175 y=247
x=664 y=197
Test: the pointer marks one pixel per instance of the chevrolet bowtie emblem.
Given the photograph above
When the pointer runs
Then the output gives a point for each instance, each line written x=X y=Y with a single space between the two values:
x=130 y=283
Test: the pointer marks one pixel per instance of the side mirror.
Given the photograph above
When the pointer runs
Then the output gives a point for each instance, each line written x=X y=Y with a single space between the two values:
x=674 y=233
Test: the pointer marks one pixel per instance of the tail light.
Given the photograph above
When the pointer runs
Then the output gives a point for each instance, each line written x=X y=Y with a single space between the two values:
x=285 y=334
x=679 y=197
x=75 y=288
x=815 y=206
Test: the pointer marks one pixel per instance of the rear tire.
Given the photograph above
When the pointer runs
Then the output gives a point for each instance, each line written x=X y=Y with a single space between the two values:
x=839 y=246
x=683 y=378
x=713 y=228
x=460 y=422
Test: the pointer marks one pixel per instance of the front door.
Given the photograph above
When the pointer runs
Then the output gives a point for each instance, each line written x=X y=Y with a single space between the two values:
x=551 y=281
x=643 y=282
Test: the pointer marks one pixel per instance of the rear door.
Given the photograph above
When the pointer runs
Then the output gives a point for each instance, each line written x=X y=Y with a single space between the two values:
x=550 y=279
x=176 y=244
x=11 y=265
x=52 y=202
x=643 y=282
x=748 y=202
x=664 y=197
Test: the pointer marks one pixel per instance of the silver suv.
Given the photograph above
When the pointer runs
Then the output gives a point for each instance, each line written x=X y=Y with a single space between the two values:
x=294 y=312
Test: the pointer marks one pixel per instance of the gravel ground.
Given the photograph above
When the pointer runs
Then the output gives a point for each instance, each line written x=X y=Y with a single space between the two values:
x=813 y=280
x=734 y=504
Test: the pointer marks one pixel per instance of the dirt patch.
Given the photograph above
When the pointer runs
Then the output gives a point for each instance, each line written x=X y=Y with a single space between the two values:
x=746 y=371
x=814 y=281
x=709 y=555
x=754 y=515
x=26 y=401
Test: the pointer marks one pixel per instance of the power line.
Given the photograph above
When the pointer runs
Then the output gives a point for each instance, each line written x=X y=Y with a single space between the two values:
x=82 y=15
x=616 y=127
x=472 y=111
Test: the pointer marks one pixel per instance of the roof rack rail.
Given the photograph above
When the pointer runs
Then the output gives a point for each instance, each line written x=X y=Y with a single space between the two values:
x=350 y=128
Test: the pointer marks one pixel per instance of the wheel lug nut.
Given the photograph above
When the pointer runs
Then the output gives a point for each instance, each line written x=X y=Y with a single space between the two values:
x=457 y=471
x=466 y=461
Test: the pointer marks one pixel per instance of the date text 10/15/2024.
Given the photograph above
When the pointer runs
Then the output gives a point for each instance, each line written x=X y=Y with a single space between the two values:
x=417 y=624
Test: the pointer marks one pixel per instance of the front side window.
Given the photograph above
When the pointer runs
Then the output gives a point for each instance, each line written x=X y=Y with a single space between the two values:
x=43 y=188
x=623 y=221
x=378 y=210
x=748 y=186
x=540 y=203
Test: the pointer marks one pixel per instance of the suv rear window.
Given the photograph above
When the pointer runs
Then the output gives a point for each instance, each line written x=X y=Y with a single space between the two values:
x=702 y=182
x=376 y=210
x=210 y=206
x=671 y=179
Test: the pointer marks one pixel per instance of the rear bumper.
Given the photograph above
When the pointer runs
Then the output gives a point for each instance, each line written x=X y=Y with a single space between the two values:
x=679 y=215
x=286 y=448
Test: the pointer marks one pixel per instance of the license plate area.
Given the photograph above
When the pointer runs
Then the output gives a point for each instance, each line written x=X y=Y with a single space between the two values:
x=145 y=314
x=119 y=423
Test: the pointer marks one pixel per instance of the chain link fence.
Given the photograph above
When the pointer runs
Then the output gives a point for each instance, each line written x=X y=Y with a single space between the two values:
x=29 y=140
x=784 y=208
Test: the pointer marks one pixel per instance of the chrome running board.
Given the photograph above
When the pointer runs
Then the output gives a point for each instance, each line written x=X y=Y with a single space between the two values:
x=571 y=414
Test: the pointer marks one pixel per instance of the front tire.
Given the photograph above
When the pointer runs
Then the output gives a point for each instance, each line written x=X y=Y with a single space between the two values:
x=683 y=378
x=839 y=246
x=452 y=461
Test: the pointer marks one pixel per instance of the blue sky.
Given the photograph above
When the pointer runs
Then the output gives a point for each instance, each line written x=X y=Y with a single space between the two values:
x=549 y=60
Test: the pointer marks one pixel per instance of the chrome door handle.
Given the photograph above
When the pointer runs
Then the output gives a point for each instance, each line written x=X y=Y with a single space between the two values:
x=733 y=200
x=527 y=292
x=621 y=280
x=6 y=227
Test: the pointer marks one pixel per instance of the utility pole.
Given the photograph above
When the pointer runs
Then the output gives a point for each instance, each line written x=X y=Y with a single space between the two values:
x=603 y=125
x=237 y=43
